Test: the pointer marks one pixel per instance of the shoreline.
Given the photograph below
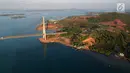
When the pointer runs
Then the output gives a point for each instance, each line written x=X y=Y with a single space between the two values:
x=86 y=37
x=55 y=40
x=110 y=61
x=61 y=40
x=95 y=52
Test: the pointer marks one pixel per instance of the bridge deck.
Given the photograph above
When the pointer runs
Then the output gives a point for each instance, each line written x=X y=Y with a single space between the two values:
x=28 y=35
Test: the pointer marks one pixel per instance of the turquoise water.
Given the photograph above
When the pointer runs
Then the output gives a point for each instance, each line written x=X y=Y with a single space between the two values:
x=28 y=55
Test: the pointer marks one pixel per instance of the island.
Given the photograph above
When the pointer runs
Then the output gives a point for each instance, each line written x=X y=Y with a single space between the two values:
x=106 y=33
x=9 y=14
x=17 y=16
x=14 y=16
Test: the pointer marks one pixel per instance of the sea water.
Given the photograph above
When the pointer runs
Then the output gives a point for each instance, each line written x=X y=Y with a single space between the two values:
x=28 y=55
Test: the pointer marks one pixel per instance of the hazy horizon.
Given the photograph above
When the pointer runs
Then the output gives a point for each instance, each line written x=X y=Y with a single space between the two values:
x=60 y=4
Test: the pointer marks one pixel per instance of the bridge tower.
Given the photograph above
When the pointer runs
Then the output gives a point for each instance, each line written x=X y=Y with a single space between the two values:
x=44 y=28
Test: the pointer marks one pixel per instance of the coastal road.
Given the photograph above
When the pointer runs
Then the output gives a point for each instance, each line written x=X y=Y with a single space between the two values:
x=27 y=35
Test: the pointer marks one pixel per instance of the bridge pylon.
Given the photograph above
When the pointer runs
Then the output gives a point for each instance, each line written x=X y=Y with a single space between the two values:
x=44 y=28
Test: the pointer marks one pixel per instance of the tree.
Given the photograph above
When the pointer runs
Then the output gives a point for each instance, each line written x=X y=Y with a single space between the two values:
x=104 y=37
x=121 y=40
x=127 y=50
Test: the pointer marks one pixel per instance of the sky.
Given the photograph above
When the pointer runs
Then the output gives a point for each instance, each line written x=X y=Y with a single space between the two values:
x=61 y=4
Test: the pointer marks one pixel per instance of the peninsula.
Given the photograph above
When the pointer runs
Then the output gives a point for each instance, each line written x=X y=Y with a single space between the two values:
x=106 y=33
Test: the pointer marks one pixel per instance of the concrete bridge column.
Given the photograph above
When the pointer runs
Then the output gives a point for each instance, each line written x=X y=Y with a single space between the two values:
x=44 y=29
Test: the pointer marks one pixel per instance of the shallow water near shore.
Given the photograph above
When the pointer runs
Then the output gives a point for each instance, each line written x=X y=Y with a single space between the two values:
x=28 y=55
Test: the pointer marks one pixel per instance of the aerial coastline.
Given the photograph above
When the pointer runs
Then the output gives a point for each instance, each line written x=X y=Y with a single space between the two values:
x=96 y=33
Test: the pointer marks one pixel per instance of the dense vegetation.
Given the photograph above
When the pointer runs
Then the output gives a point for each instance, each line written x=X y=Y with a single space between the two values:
x=106 y=41
x=112 y=16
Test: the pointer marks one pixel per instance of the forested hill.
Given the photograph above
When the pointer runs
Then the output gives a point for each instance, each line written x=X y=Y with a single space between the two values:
x=108 y=30
x=106 y=17
x=124 y=17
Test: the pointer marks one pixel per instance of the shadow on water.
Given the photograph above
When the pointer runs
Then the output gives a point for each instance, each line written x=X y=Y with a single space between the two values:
x=45 y=49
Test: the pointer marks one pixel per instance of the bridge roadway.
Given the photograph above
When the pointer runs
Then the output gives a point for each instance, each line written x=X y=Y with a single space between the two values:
x=27 y=35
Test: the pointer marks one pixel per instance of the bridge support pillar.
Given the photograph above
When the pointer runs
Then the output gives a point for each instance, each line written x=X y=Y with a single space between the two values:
x=44 y=28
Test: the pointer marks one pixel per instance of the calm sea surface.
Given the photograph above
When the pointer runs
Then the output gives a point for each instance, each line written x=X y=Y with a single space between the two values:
x=28 y=55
